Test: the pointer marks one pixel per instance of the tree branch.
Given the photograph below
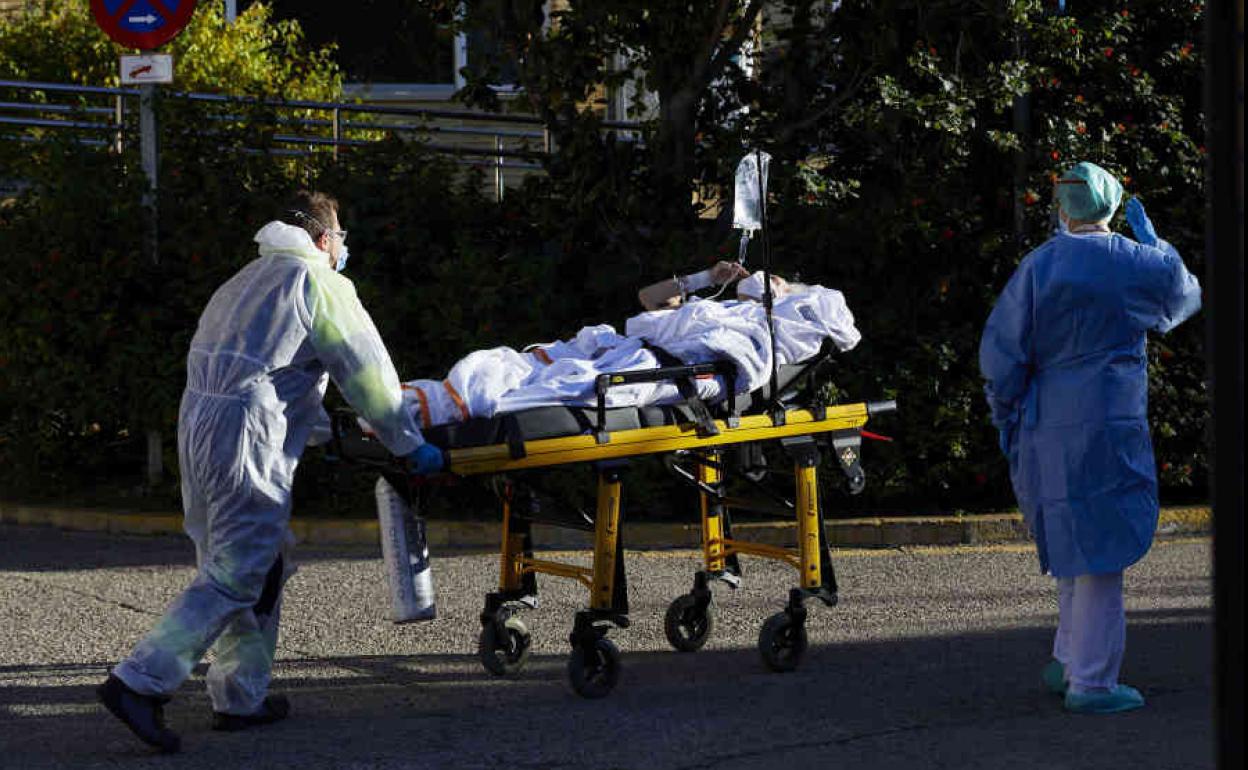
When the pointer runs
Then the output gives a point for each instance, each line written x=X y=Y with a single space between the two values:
x=790 y=130
x=707 y=67
x=713 y=36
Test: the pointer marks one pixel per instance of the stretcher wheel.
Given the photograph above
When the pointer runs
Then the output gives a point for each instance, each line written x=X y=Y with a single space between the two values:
x=687 y=625
x=594 y=669
x=782 y=642
x=506 y=656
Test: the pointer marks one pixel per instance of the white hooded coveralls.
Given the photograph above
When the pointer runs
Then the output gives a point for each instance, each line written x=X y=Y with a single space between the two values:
x=256 y=376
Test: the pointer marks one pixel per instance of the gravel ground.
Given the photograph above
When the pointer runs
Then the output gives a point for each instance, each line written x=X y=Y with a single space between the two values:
x=931 y=660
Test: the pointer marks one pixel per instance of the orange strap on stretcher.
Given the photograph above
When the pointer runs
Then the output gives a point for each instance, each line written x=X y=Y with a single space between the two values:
x=423 y=400
x=459 y=401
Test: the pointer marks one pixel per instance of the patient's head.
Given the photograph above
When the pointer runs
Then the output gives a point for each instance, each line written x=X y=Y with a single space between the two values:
x=752 y=287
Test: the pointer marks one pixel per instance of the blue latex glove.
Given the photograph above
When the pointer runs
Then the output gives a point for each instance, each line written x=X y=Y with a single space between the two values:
x=425 y=460
x=1141 y=226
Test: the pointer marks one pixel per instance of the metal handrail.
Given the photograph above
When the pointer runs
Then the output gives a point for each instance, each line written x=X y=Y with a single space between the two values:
x=375 y=109
x=46 y=123
x=36 y=85
x=419 y=122
x=62 y=108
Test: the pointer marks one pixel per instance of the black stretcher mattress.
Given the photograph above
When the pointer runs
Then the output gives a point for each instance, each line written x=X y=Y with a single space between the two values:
x=560 y=421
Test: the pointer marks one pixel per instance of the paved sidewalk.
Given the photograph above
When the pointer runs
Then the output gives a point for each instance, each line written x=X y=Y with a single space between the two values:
x=881 y=531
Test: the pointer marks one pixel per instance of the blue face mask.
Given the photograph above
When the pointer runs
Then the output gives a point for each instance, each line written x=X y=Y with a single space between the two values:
x=342 y=259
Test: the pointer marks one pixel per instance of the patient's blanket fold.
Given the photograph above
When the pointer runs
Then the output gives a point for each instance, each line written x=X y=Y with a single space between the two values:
x=500 y=380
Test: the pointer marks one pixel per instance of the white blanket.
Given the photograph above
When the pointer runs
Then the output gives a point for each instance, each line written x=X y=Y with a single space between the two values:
x=502 y=380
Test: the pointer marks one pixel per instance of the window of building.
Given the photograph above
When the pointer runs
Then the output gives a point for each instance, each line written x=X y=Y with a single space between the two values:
x=394 y=49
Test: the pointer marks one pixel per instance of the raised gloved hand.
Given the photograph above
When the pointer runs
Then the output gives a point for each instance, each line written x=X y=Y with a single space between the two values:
x=1141 y=226
x=426 y=459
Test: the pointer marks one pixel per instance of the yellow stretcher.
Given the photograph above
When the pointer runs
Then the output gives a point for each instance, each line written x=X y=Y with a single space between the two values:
x=695 y=444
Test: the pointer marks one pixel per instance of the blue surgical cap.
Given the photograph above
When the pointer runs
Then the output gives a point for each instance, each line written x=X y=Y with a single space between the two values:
x=1089 y=192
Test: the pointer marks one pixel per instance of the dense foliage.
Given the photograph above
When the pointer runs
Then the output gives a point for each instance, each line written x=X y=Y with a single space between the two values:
x=916 y=145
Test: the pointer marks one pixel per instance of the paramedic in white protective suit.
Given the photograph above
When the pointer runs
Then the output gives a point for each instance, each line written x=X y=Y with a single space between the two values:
x=266 y=345
x=1063 y=354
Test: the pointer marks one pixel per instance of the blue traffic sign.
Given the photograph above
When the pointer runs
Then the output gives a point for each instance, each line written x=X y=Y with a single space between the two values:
x=144 y=24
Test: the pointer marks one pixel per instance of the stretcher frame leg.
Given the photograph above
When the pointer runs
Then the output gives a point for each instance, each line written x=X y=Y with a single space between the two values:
x=806 y=479
x=608 y=559
x=511 y=553
x=594 y=666
x=713 y=535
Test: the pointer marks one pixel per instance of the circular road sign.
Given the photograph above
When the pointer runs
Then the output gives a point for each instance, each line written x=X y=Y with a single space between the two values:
x=142 y=24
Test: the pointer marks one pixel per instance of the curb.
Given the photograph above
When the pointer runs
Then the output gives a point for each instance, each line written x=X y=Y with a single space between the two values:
x=871 y=532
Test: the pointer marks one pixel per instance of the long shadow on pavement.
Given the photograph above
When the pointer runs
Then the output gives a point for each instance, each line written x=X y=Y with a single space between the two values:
x=950 y=701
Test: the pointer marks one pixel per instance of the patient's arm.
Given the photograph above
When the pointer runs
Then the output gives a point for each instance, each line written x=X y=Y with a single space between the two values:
x=663 y=295
x=671 y=292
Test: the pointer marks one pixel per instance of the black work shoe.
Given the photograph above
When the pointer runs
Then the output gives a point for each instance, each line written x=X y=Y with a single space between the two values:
x=274 y=709
x=143 y=714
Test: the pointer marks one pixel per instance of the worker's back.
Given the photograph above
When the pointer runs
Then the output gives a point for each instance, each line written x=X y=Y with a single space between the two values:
x=254 y=334
x=1093 y=299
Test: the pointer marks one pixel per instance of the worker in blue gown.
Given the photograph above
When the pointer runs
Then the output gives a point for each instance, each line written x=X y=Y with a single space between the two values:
x=1063 y=354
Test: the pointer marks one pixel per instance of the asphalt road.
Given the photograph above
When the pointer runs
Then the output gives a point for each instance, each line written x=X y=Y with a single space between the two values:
x=931 y=660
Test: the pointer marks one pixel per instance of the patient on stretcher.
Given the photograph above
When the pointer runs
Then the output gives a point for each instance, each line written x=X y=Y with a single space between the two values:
x=562 y=373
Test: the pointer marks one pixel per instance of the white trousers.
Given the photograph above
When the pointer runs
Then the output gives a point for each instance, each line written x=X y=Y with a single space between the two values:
x=236 y=495
x=1091 y=630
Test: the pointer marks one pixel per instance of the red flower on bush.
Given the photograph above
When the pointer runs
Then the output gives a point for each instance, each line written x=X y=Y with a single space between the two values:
x=1109 y=52
x=1186 y=50
x=1078 y=98
x=947 y=234
x=1081 y=128
x=1030 y=198
x=1135 y=72
x=1055 y=155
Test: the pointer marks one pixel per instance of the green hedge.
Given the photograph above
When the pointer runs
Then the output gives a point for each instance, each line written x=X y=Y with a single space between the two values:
x=905 y=197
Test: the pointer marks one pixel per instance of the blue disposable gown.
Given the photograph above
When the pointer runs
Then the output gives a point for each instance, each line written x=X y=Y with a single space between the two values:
x=1067 y=382
x=266 y=345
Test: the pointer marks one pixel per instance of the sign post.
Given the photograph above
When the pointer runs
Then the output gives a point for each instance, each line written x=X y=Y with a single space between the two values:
x=146 y=25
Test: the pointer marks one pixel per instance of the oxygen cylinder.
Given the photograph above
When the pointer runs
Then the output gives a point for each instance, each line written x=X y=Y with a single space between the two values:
x=406 y=554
